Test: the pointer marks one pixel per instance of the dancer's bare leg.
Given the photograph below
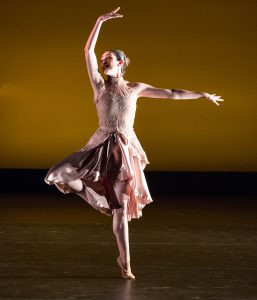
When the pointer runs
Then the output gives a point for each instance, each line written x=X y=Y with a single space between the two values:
x=76 y=185
x=120 y=223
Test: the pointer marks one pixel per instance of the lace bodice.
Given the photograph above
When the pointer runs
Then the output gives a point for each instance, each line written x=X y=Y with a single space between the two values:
x=116 y=107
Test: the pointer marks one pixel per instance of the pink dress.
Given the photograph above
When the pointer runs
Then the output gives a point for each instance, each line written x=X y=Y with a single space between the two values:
x=113 y=153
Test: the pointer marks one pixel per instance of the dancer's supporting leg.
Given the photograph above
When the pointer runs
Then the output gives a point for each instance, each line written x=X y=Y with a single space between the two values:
x=120 y=222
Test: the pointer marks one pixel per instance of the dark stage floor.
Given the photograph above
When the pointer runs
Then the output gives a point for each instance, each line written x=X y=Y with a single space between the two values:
x=55 y=246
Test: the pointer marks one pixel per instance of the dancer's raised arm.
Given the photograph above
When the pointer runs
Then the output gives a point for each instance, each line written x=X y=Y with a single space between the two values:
x=146 y=90
x=91 y=60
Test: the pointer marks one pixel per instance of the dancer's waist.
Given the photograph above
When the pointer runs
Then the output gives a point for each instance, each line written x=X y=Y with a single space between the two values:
x=127 y=130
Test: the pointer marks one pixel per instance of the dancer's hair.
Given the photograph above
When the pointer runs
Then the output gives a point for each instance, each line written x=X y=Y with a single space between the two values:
x=120 y=55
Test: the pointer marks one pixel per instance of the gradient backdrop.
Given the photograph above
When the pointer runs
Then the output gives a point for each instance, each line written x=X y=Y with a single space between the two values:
x=46 y=104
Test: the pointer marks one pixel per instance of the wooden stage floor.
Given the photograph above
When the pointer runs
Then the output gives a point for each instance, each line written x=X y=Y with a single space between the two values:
x=55 y=246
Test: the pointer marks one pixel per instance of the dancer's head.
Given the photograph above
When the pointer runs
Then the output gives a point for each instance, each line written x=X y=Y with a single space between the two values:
x=114 y=62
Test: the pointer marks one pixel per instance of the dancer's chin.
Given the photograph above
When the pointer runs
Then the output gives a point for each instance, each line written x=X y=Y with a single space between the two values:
x=107 y=72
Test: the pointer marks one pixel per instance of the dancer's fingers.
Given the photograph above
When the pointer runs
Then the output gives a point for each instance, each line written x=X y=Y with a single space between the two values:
x=114 y=11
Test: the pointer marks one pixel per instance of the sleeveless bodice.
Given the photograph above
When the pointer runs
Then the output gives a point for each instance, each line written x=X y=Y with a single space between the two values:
x=116 y=107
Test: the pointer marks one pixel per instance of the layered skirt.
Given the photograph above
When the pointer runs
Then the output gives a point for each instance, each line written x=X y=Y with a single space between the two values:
x=107 y=158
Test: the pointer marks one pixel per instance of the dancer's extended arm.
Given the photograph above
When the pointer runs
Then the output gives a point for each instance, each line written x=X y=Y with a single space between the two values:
x=146 y=90
x=91 y=60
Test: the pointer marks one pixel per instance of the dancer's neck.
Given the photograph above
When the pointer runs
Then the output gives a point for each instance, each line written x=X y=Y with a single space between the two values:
x=112 y=80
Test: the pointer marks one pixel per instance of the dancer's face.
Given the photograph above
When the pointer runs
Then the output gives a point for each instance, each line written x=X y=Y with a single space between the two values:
x=110 y=65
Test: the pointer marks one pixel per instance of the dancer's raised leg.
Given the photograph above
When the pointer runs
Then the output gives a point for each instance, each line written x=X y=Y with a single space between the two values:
x=75 y=185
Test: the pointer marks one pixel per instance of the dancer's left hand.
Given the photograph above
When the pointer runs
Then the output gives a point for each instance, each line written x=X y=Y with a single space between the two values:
x=214 y=98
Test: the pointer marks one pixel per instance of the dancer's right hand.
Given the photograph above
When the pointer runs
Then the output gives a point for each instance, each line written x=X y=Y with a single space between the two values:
x=111 y=15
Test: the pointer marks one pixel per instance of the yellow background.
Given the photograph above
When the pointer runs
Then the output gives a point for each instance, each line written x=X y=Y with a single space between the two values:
x=46 y=105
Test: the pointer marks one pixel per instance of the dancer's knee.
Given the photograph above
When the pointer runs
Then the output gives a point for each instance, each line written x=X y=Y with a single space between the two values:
x=121 y=212
x=76 y=185
x=122 y=190
x=119 y=218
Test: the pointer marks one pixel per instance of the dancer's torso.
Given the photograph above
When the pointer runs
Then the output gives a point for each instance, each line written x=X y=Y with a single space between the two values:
x=116 y=107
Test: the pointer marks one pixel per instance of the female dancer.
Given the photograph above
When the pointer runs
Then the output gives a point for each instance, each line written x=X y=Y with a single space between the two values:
x=108 y=171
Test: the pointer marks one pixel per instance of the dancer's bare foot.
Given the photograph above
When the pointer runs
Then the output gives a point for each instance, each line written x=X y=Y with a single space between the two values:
x=105 y=211
x=125 y=272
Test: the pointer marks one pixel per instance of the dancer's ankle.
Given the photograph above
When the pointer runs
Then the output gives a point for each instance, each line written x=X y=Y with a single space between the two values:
x=126 y=264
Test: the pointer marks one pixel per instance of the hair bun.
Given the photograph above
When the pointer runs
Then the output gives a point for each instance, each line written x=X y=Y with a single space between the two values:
x=127 y=60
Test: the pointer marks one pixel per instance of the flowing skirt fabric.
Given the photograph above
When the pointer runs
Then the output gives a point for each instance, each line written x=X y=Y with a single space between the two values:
x=100 y=167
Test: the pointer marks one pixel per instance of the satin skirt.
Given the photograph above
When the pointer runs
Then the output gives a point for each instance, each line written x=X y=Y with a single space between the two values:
x=102 y=167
